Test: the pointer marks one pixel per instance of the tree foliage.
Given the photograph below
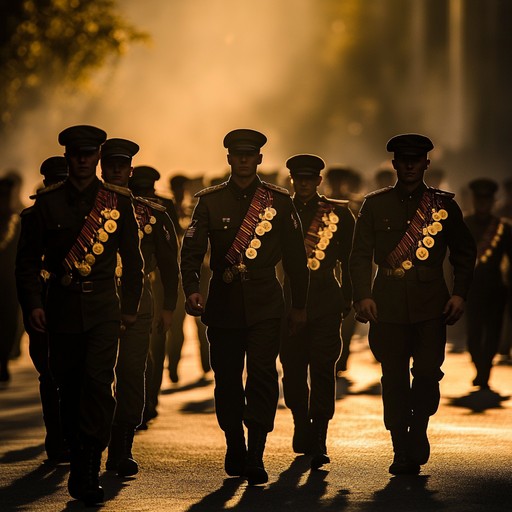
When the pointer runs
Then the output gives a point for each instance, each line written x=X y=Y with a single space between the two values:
x=56 y=43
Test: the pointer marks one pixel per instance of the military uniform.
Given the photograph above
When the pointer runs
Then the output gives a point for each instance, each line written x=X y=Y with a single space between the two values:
x=487 y=297
x=407 y=234
x=328 y=226
x=245 y=301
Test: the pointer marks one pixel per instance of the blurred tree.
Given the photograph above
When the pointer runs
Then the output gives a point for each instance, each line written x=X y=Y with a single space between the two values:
x=56 y=43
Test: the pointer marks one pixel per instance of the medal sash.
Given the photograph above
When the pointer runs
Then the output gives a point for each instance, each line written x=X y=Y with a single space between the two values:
x=86 y=238
x=489 y=240
x=311 y=238
x=261 y=199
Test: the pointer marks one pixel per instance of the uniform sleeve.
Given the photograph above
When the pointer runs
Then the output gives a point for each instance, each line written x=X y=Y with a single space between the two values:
x=129 y=249
x=294 y=256
x=462 y=250
x=194 y=247
x=29 y=260
x=166 y=252
x=345 y=248
x=362 y=254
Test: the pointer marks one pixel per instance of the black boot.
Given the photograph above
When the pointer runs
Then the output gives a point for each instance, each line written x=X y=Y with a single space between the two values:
x=318 y=443
x=419 y=447
x=402 y=464
x=75 y=473
x=114 y=449
x=255 y=470
x=236 y=452
x=120 y=456
x=92 y=492
x=301 y=433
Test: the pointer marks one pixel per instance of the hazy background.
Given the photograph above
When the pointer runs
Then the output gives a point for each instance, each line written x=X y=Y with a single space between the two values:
x=333 y=77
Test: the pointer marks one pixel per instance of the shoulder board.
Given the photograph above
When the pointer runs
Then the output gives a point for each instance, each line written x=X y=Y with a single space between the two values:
x=338 y=202
x=125 y=191
x=276 y=188
x=152 y=204
x=379 y=191
x=49 y=188
x=209 y=190
x=443 y=193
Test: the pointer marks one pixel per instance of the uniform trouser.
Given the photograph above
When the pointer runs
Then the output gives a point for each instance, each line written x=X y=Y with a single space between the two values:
x=131 y=364
x=484 y=320
x=38 y=350
x=255 y=403
x=393 y=345
x=316 y=347
x=347 y=332
x=83 y=367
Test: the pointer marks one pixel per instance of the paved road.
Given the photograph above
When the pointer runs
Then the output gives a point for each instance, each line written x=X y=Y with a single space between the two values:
x=181 y=455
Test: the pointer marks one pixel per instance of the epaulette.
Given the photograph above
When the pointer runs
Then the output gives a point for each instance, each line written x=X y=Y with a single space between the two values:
x=49 y=188
x=443 y=193
x=156 y=206
x=276 y=188
x=379 y=191
x=125 y=191
x=339 y=202
x=209 y=190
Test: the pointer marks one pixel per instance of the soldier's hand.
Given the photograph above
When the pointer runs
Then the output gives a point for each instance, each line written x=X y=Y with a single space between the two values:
x=366 y=310
x=165 y=320
x=127 y=321
x=296 y=320
x=453 y=310
x=37 y=320
x=194 y=304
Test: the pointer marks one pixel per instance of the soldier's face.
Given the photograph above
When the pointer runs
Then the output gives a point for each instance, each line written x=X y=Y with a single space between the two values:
x=82 y=164
x=244 y=163
x=410 y=169
x=305 y=186
x=116 y=170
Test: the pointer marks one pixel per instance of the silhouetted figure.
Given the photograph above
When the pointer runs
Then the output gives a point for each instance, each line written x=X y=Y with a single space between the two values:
x=384 y=178
x=406 y=230
x=9 y=312
x=250 y=226
x=488 y=294
x=309 y=356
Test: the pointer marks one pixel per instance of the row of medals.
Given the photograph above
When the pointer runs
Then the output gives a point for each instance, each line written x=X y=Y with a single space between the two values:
x=325 y=233
x=427 y=242
x=494 y=242
x=263 y=226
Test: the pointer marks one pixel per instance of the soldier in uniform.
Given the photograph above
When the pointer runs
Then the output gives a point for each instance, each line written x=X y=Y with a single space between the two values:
x=79 y=226
x=328 y=227
x=159 y=248
x=250 y=225
x=54 y=170
x=406 y=229
x=488 y=294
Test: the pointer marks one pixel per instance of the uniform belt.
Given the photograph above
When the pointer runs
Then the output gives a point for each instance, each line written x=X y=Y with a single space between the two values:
x=88 y=286
x=417 y=273
x=256 y=273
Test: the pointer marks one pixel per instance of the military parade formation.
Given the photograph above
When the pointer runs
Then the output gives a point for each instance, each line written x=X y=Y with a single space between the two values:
x=102 y=268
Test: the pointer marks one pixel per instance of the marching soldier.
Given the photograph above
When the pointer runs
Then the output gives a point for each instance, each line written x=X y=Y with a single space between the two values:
x=328 y=226
x=159 y=248
x=250 y=225
x=406 y=229
x=79 y=226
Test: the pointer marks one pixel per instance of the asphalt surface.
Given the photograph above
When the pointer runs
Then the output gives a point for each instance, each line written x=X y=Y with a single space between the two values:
x=181 y=454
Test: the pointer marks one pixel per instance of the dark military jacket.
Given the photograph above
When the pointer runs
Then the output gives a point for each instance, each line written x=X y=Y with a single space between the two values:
x=159 y=246
x=326 y=296
x=56 y=219
x=216 y=219
x=421 y=294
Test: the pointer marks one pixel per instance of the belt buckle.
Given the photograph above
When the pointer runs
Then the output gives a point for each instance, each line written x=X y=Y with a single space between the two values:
x=87 y=286
x=398 y=272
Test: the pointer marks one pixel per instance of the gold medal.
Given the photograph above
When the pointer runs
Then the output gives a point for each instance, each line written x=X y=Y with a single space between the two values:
x=398 y=272
x=119 y=271
x=268 y=215
x=227 y=276
x=97 y=248
x=443 y=214
x=106 y=214
x=84 y=269
x=428 y=241
x=438 y=226
x=407 y=264
x=266 y=225
x=251 y=253
x=148 y=229
x=313 y=264
x=483 y=259
x=110 y=226
x=424 y=231
x=66 y=280
x=327 y=234
x=255 y=243
x=332 y=228
x=324 y=240
x=102 y=236
x=436 y=216
x=114 y=214
x=421 y=253
x=319 y=255
x=432 y=229
x=488 y=253
x=273 y=211
x=259 y=230
x=152 y=219
x=90 y=259
x=334 y=218
x=141 y=234
x=321 y=246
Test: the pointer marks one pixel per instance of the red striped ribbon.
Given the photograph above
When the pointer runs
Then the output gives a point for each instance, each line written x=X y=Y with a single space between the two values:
x=312 y=237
